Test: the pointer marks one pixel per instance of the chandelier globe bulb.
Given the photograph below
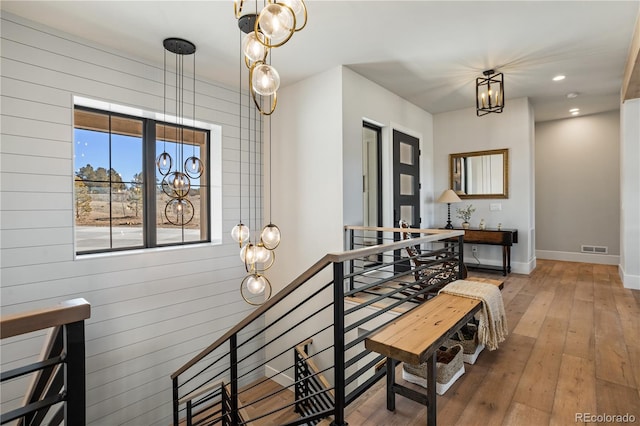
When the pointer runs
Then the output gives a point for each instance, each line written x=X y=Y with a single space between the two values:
x=240 y=233
x=265 y=79
x=277 y=22
x=270 y=236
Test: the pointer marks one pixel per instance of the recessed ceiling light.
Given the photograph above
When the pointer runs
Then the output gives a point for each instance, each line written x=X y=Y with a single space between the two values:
x=572 y=95
x=575 y=113
x=559 y=78
x=574 y=110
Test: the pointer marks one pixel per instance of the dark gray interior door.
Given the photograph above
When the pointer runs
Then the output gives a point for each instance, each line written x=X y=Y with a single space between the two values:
x=406 y=186
x=406 y=179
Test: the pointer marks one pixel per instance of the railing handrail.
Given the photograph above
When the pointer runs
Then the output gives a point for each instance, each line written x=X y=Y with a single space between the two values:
x=413 y=230
x=435 y=234
x=66 y=312
x=306 y=275
x=59 y=376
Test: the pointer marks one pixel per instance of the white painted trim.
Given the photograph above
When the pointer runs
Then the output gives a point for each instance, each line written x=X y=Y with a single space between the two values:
x=629 y=281
x=280 y=378
x=374 y=122
x=602 y=259
x=524 y=267
x=120 y=108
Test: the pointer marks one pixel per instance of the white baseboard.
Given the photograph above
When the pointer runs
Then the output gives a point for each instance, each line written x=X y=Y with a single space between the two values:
x=523 y=267
x=280 y=378
x=629 y=281
x=601 y=259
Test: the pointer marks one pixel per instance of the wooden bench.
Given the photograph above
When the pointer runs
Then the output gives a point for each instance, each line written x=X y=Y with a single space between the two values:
x=414 y=338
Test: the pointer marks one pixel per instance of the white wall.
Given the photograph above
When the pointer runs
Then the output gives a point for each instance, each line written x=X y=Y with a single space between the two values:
x=317 y=162
x=306 y=199
x=152 y=310
x=365 y=100
x=578 y=188
x=306 y=169
x=630 y=194
x=317 y=172
x=462 y=131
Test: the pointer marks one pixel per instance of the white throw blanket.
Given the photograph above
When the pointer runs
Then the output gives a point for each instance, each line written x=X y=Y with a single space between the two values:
x=492 y=327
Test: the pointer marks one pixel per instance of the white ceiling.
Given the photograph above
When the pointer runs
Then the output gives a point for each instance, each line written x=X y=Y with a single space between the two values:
x=428 y=52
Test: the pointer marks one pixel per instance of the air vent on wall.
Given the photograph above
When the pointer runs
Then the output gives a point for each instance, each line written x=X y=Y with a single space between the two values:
x=594 y=249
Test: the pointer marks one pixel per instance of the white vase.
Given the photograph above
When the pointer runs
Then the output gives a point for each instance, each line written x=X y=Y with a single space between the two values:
x=465 y=225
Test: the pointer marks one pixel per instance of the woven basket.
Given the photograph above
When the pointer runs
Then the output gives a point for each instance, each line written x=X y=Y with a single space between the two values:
x=467 y=337
x=448 y=362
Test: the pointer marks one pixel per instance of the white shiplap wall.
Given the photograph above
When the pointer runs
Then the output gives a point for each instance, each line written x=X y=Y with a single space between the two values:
x=151 y=310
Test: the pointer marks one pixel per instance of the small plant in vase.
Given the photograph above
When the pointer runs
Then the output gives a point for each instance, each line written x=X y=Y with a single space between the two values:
x=465 y=215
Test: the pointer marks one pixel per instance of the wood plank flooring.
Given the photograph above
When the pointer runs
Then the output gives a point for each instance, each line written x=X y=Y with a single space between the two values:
x=574 y=347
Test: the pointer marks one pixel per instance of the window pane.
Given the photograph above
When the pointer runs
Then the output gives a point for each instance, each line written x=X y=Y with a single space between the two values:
x=181 y=146
x=91 y=154
x=126 y=230
x=406 y=185
x=406 y=214
x=192 y=231
x=126 y=157
x=167 y=232
x=92 y=217
x=107 y=148
x=406 y=153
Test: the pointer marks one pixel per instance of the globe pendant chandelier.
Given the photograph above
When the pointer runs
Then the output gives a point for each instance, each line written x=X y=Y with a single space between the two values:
x=176 y=182
x=271 y=28
x=257 y=251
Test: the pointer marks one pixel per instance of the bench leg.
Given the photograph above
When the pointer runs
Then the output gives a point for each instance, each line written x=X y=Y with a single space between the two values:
x=431 y=390
x=391 y=381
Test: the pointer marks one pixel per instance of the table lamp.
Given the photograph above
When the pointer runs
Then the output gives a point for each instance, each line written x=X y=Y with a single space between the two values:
x=448 y=196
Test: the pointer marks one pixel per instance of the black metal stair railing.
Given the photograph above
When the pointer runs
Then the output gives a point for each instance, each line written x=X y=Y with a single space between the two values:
x=57 y=391
x=328 y=311
x=312 y=391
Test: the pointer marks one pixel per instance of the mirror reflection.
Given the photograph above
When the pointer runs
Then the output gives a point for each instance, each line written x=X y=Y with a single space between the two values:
x=480 y=174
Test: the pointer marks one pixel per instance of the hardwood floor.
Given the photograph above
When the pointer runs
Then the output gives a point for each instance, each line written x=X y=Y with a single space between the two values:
x=573 y=347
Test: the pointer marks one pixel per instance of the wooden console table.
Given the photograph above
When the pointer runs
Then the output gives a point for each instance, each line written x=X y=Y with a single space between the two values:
x=504 y=237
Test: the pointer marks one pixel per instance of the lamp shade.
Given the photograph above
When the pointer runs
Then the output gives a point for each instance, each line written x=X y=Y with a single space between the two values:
x=449 y=196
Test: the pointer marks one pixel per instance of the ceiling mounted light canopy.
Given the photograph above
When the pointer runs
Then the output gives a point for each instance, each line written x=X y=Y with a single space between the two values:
x=489 y=93
x=176 y=182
